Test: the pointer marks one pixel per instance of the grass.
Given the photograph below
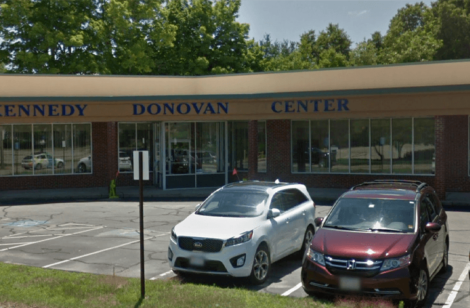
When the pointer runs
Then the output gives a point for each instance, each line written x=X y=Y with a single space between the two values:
x=30 y=287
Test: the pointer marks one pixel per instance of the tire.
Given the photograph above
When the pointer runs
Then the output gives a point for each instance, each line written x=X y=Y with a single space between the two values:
x=81 y=168
x=261 y=265
x=60 y=165
x=422 y=287
x=445 y=259
x=38 y=167
x=309 y=233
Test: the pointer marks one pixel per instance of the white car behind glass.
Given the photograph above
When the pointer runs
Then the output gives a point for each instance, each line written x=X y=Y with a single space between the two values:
x=242 y=228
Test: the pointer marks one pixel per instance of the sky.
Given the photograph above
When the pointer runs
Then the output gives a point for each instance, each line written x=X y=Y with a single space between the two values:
x=288 y=19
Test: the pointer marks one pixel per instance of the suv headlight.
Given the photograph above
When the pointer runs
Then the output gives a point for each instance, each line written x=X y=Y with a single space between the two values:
x=395 y=263
x=316 y=257
x=243 y=238
x=173 y=235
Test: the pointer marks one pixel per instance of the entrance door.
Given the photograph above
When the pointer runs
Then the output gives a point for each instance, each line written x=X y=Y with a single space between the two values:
x=194 y=154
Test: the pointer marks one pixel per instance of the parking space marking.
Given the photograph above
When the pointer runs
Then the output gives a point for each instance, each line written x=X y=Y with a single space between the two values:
x=161 y=275
x=49 y=239
x=458 y=284
x=288 y=292
x=96 y=252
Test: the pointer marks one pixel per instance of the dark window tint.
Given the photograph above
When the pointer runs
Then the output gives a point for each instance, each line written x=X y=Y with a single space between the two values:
x=287 y=199
x=423 y=215
x=430 y=208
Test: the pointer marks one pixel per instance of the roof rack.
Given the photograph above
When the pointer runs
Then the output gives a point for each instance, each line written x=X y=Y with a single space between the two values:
x=418 y=184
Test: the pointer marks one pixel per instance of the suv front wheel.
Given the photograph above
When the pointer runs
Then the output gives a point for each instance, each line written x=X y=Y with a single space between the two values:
x=261 y=265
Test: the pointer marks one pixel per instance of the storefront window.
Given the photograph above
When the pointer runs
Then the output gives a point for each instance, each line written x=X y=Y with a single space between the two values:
x=339 y=145
x=380 y=145
x=83 y=162
x=360 y=149
x=401 y=145
x=365 y=146
x=63 y=148
x=320 y=146
x=300 y=146
x=238 y=145
x=43 y=156
x=24 y=161
x=144 y=141
x=424 y=146
x=6 y=150
x=262 y=165
x=45 y=149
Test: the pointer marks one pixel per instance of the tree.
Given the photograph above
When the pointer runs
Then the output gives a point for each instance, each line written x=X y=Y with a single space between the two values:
x=82 y=36
x=333 y=38
x=208 y=40
x=365 y=53
x=453 y=18
x=411 y=36
x=331 y=58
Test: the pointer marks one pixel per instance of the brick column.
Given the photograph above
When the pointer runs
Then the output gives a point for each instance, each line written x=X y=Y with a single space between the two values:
x=252 y=149
x=440 y=172
x=278 y=152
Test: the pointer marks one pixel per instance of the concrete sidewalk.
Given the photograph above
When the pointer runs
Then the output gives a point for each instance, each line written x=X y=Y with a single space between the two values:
x=319 y=195
x=323 y=196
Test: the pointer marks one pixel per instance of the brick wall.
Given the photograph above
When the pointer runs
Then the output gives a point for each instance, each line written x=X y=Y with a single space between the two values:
x=104 y=143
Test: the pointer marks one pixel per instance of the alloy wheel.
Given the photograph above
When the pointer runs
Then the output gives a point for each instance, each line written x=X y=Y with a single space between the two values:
x=422 y=285
x=261 y=265
x=308 y=238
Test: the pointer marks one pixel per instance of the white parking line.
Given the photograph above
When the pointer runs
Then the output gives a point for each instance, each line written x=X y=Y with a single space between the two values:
x=288 y=292
x=96 y=252
x=458 y=284
x=161 y=275
x=49 y=239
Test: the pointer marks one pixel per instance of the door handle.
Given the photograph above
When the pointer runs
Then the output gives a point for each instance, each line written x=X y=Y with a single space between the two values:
x=303 y=213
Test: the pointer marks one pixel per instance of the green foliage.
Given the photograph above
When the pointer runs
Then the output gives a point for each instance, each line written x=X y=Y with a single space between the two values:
x=411 y=36
x=365 y=53
x=453 y=17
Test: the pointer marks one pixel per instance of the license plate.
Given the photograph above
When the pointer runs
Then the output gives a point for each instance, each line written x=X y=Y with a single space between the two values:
x=350 y=283
x=196 y=261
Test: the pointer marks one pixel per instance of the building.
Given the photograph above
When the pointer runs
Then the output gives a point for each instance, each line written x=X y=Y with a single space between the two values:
x=324 y=128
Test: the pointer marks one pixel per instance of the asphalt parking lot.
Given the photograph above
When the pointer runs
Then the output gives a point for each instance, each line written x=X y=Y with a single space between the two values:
x=103 y=238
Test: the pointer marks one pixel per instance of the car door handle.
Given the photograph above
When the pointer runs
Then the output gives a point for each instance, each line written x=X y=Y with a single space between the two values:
x=303 y=213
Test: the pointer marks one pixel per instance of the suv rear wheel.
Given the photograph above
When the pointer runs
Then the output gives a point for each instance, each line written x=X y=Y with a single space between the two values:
x=307 y=241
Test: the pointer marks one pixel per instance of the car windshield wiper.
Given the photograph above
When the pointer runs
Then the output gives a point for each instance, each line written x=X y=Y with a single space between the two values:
x=385 y=230
x=339 y=227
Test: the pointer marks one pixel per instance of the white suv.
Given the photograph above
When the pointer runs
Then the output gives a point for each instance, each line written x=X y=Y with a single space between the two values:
x=242 y=228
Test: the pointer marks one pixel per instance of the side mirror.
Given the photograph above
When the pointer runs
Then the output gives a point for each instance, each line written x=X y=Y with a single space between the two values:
x=318 y=221
x=432 y=227
x=273 y=213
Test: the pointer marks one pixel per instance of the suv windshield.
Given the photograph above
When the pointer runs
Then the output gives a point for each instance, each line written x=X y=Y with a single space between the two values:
x=234 y=204
x=373 y=214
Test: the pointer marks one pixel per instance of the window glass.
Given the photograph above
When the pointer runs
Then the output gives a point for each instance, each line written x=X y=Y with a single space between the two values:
x=43 y=156
x=423 y=216
x=63 y=148
x=320 y=153
x=82 y=155
x=144 y=141
x=360 y=146
x=238 y=145
x=234 y=204
x=300 y=146
x=365 y=214
x=179 y=160
x=262 y=146
x=6 y=150
x=401 y=145
x=424 y=146
x=23 y=149
x=127 y=144
x=206 y=147
x=339 y=146
x=431 y=210
x=380 y=145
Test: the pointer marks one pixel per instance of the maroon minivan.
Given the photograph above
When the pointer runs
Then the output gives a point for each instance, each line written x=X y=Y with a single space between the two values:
x=385 y=237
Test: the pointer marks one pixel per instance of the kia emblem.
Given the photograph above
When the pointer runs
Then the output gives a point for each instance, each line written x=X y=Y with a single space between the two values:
x=198 y=245
x=351 y=264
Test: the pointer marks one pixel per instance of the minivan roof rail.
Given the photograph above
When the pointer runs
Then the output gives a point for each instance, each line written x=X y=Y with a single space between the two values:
x=418 y=184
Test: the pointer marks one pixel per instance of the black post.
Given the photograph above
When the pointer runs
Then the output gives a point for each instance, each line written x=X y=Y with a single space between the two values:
x=141 y=214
